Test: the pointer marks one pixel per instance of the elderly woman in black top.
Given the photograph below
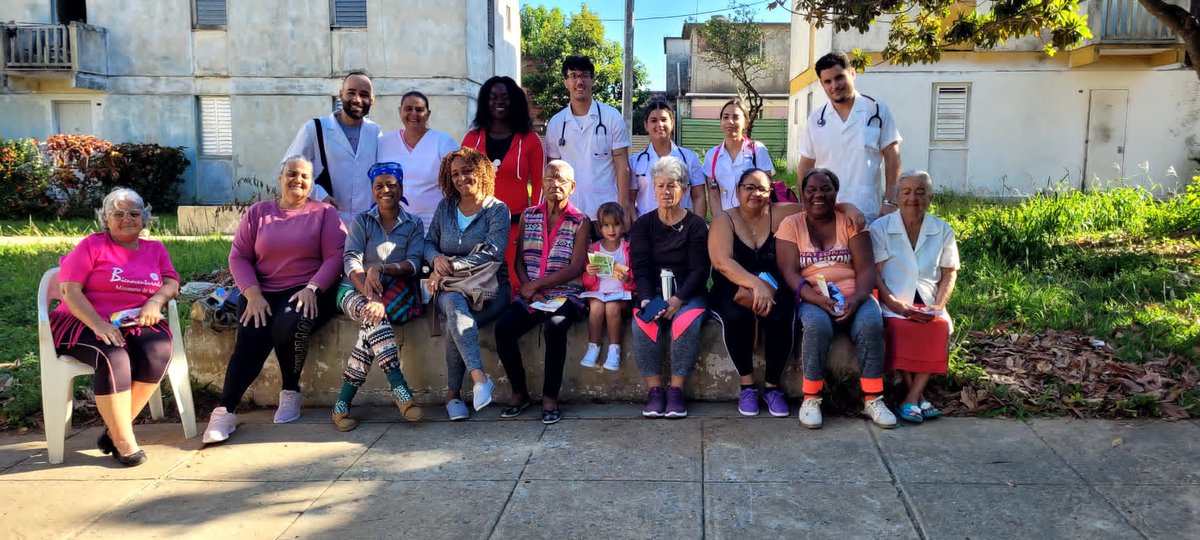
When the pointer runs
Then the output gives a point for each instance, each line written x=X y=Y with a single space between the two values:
x=669 y=259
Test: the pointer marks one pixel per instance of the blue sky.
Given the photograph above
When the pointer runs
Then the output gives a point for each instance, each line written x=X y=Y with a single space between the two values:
x=649 y=33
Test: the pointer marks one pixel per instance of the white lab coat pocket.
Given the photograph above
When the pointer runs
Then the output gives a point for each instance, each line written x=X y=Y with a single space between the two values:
x=870 y=135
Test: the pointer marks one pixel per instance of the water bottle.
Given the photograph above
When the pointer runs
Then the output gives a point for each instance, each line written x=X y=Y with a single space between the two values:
x=668 y=283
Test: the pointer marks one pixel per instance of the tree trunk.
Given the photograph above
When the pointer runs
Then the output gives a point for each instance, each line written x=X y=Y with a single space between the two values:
x=1182 y=23
x=756 y=106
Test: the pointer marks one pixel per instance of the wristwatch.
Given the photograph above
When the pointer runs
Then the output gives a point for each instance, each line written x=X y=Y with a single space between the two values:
x=889 y=202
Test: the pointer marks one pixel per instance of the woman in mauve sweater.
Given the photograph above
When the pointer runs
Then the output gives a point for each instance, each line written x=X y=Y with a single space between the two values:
x=286 y=259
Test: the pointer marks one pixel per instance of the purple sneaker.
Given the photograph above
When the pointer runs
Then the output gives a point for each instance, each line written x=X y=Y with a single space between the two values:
x=675 y=407
x=777 y=403
x=748 y=402
x=656 y=403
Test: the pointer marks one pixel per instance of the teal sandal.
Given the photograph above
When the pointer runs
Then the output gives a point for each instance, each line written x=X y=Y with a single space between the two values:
x=928 y=410
x=911 y=412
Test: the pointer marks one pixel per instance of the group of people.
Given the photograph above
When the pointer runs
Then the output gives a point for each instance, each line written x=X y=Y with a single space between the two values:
x=382 y=226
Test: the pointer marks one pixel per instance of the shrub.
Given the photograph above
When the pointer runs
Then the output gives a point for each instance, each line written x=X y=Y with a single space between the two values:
x=76 y=193
x=154 y=171
x=24 y=179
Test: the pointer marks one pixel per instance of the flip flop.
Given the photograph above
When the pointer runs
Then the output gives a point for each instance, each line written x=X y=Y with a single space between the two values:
x=513 y=411
x=928 y=410
x=911 y=412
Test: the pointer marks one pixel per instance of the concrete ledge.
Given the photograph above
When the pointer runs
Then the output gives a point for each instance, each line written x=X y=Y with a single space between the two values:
x=422 y=359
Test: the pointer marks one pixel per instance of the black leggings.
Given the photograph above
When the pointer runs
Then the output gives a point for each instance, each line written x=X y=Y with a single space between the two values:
x=286 y=332
x=737 y=323
x=516 y=322
x=144 y=358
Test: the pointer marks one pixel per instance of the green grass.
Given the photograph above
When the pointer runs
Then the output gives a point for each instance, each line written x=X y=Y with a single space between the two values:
x=163 y=225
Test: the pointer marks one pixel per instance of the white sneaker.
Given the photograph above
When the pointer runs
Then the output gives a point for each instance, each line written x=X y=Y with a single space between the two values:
x=810 y=413
x=289 y=406
x=590 y=357
x=220 y=424
x=879 y=413
x=613 y=361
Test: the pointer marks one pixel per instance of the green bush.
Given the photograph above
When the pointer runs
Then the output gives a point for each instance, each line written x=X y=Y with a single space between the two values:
x=24 y=180
x=154 y=171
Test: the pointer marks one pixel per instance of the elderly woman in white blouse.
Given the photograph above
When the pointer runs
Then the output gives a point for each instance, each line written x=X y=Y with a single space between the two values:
x=917 y=264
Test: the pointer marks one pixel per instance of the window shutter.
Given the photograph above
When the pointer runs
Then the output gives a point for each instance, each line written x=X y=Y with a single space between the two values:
x=210 y=13
x=950 y=112
x=491 y=22
x=216 y=126
x=349 y=12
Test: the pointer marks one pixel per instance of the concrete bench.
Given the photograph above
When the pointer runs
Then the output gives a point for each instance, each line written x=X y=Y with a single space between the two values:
x=422 y=359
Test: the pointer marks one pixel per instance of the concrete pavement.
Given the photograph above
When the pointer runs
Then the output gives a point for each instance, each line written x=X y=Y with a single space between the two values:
x=605 y=472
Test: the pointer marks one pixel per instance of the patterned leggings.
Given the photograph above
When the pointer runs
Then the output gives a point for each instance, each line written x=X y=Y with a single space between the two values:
x=375 y=345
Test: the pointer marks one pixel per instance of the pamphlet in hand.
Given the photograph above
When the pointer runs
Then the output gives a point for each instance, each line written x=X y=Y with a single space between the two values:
x=549 y=306
x=605 y=262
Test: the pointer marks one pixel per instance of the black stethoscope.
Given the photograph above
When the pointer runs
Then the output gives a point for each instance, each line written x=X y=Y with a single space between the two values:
x=878 y=119
x=562 y=135
x=646 y=154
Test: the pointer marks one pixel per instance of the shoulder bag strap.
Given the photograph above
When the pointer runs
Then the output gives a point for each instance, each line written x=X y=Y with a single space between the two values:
x=322 y=179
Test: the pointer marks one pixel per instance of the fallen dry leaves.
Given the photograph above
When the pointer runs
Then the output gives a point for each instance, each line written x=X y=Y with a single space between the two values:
x=1067 y=372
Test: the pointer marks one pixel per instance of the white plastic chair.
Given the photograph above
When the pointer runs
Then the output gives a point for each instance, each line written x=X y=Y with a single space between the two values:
x=57 y=372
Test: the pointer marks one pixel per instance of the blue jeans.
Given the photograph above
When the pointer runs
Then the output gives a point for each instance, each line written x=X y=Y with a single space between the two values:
x=866 y=331
x=462 y=326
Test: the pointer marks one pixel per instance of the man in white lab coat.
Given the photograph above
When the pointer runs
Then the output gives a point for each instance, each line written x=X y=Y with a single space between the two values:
x=350 y=140
x=854 y=136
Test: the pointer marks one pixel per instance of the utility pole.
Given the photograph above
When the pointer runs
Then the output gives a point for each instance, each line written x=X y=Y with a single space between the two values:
x=627 y=62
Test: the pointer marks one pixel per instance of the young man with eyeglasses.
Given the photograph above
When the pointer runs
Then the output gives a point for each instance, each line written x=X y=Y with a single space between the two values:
x=852 y=136
x=593 y=138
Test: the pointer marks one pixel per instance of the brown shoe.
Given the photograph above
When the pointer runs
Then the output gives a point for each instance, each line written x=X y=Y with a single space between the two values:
x=409 y=410
x=343 y=422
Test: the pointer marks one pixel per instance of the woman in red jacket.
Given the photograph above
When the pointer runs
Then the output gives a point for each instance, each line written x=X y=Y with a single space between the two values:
x=503 y=130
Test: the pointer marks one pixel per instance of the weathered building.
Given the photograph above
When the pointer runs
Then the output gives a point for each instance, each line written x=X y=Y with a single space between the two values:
x=1014 y=120
x=232 y=81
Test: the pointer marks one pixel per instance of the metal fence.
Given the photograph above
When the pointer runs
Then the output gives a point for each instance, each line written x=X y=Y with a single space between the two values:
x=700 y=134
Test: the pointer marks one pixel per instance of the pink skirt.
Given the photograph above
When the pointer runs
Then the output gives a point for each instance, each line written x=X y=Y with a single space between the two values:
x=915 y=346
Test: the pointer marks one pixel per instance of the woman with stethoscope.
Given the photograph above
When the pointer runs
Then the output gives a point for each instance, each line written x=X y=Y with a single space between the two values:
x=725 y=163
x=660 y=124
x=503 y=130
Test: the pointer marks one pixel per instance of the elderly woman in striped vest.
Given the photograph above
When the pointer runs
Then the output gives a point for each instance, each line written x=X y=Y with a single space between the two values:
x=552 y=254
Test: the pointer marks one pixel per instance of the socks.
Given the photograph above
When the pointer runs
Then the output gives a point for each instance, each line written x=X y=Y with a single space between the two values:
x=344 y=398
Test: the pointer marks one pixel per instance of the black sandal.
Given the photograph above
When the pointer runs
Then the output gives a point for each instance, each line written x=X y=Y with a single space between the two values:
x=513 y=411
x=550 y=417
x=132 y=460
x=105 y=443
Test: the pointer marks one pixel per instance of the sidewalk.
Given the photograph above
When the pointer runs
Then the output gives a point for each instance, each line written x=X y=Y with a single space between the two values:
x=604 y=472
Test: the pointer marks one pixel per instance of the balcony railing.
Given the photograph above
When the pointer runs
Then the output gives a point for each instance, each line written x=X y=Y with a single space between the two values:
x=1125 y=21
x=54 y=47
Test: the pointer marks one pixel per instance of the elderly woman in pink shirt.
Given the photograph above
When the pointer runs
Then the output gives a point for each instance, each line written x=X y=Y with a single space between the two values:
x=114 y=286
x=286 y=259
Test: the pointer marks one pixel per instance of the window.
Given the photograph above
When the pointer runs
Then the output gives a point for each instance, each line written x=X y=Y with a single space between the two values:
x=796 y=112
x=491 y=22
x=508 y=18
x=208 y=14
x=349 y=13
x=950 y=105
x=216 y=126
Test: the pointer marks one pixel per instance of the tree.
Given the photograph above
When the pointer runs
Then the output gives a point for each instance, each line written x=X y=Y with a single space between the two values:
x=547 y=36
x=736 y=46
x=1183 y=23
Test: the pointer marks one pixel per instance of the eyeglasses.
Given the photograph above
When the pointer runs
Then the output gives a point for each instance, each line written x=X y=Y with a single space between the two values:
x=574 y=77
x=122 y=214
x=753 y=189
x=557 y=180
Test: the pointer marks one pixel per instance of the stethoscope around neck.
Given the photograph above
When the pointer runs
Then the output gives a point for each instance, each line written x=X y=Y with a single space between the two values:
x=562 y=134
x=646 y=154
x=878 y=119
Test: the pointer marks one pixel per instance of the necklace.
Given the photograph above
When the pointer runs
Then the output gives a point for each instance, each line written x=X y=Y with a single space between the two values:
x=678 y=226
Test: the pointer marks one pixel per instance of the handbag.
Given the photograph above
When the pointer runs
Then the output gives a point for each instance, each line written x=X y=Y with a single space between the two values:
x=322 y=179
x=400 y=300
x=478 y=284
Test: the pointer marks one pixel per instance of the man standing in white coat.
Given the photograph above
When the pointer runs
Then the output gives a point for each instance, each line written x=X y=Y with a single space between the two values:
x=350 y=140
x=593 y=138
x=852 y=136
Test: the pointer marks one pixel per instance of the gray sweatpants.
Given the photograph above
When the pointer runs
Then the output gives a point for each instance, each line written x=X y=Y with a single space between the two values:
x=683 y=334
x=866 y=331
x=462 y=331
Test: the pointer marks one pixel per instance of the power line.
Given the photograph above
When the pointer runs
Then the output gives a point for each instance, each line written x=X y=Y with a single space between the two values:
x=660 y=17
